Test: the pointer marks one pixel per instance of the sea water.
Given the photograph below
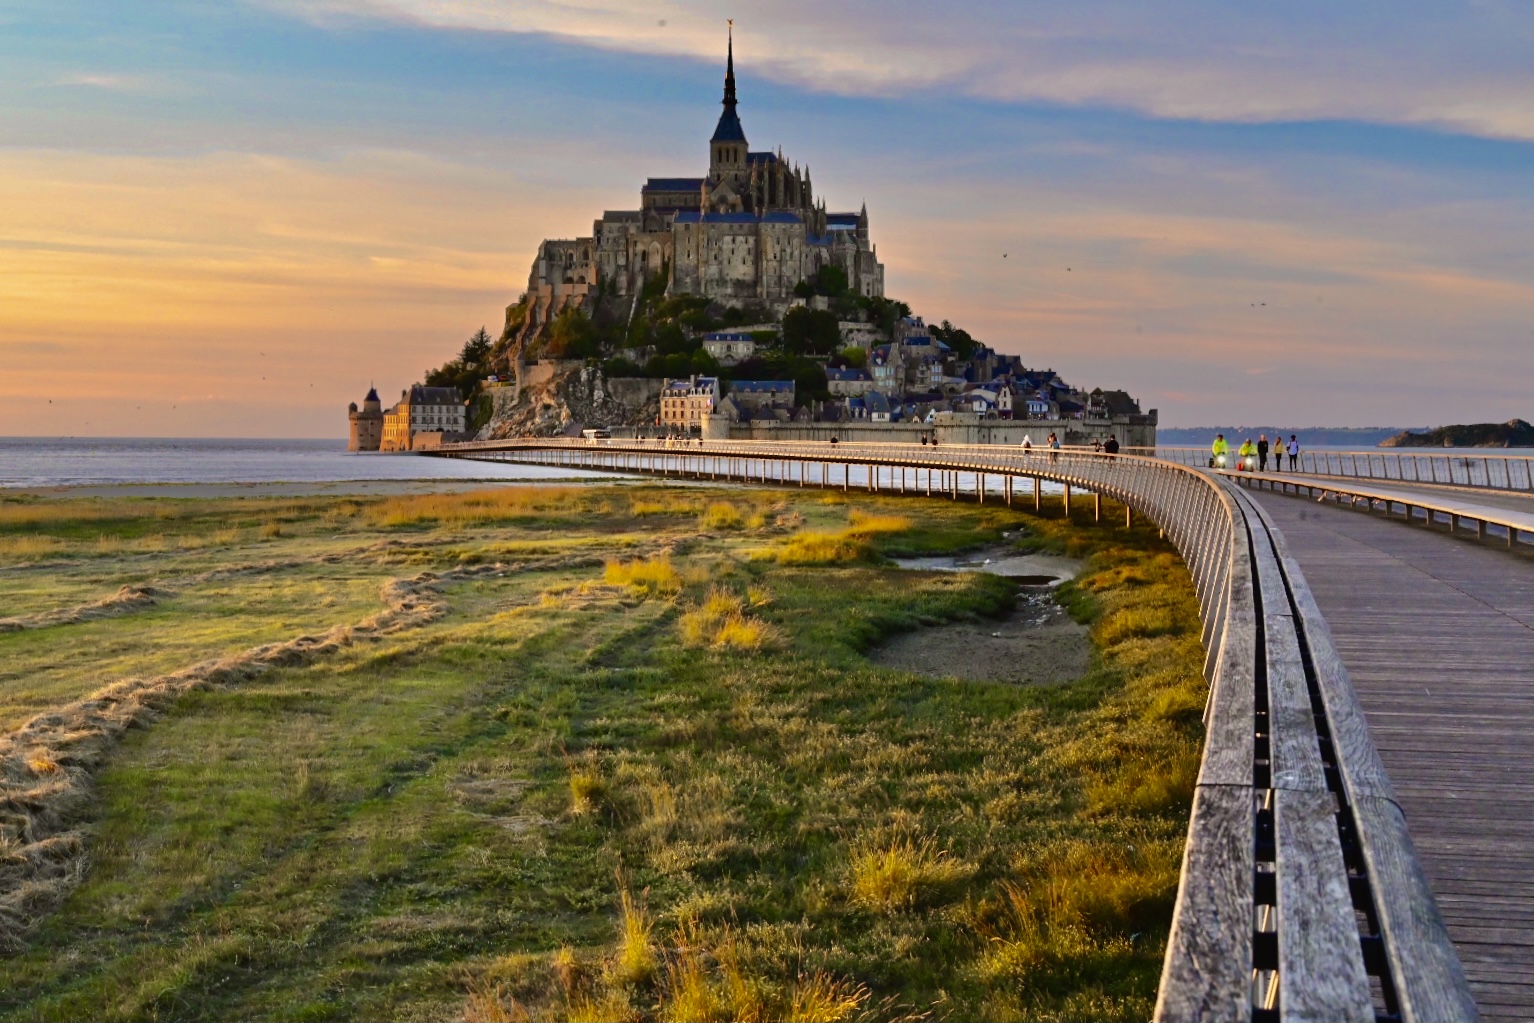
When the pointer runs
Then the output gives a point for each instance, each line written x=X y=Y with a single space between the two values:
x=87 y=461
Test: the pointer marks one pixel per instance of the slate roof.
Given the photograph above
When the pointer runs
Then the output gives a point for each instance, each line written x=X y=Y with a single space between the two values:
x=673 y=185
x=761 y=386
x=846 y=374
x=420 y=395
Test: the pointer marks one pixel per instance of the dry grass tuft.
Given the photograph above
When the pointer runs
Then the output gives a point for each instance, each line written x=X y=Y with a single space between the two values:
x=488 y=1003
x=905 y=874
x=721 y=515
x=30 y=546
x=645 y=576
x=641 y=507
x=721 y=623
x=1137 y=623
x=635 y=962
x=824 y=547
x=271 y=530
x=587 y=790
x=821 y=998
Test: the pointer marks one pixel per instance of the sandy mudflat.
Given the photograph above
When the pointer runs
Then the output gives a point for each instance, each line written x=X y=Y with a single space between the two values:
x=338 y=488
x=1038 y=644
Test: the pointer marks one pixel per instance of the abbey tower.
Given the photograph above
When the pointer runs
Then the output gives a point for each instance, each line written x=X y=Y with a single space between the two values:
x=747 y=233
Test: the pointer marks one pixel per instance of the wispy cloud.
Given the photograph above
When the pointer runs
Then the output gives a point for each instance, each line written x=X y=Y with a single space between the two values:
x=1463 y=68
x=135 y=83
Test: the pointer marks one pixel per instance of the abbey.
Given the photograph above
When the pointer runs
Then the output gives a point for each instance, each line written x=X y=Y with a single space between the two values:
x=745 y=234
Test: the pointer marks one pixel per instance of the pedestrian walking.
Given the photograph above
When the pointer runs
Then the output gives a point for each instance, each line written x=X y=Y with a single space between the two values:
x=1111 y=446
x=1027 y=445
x=1294 y=453
x=1262 y=452
x=1054 y=449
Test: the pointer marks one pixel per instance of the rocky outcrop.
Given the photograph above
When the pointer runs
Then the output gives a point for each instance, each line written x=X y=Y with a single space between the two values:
x=1515 y=433
x=569 y=399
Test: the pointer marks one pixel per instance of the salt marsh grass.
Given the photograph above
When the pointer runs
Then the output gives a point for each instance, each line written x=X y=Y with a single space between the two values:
x=429 y=824
x=645 y=575
x=479 y=507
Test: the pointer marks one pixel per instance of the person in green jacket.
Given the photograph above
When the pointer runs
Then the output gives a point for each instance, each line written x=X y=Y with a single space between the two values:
x=1248 y=455
x=1217 y=452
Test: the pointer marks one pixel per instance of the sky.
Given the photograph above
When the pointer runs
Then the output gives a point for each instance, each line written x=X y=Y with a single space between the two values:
x=229 y=219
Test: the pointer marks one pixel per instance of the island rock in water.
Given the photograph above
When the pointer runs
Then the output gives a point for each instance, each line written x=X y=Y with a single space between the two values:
x=1515 y=433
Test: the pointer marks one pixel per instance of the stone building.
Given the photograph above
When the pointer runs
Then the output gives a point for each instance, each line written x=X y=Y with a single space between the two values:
x=729 y=347
x=424 y=417
x=685 y=405
x=366 y=423
x=747 y=232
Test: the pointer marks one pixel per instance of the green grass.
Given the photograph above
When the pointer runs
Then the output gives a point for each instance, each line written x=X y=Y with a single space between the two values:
x=552 y=803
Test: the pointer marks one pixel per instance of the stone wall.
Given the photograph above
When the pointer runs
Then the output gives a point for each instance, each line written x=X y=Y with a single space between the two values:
x=1131 y=431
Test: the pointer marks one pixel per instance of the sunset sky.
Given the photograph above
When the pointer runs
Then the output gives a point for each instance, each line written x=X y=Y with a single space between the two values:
x=227 y=219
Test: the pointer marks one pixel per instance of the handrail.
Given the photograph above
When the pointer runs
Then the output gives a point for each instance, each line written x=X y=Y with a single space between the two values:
x=1301 y=897
x=1517 y=526
x=1462 y=467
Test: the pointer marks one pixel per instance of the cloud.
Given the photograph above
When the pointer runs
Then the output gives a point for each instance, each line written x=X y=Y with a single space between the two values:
x=112 y=82
x=1463 y=68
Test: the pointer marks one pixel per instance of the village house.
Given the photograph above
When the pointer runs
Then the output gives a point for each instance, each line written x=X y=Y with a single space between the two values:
x=845 y=382
x=686 y=404
x=729 y=347
x=424 y=417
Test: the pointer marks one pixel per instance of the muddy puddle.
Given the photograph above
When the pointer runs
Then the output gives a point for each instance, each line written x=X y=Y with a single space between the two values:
x=1037 y=644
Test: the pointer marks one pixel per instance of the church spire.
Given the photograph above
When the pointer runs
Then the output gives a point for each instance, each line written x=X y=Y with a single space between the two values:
x=729 y=129
x=729 y=69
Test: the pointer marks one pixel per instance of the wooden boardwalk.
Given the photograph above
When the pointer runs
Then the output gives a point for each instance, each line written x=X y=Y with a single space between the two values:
x=1438 y=635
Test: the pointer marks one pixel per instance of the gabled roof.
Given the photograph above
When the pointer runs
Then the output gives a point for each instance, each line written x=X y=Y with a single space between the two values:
x=768 y=157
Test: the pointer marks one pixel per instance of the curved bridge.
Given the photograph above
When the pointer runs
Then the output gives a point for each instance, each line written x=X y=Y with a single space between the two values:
x=1302 y=897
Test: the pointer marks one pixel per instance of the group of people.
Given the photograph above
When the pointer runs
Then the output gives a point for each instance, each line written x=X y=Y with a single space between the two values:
x=1255 y=456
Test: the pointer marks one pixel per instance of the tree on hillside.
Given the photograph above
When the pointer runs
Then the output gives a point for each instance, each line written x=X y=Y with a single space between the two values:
x=810 y=332
x=573 y=336
x=466 y=371
x=884 y=313
x=956 y=338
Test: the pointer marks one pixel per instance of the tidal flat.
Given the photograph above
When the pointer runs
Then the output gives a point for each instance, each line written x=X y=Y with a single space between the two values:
x=577 y=752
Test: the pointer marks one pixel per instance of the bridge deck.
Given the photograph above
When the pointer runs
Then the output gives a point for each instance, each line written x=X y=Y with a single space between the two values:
x=1438 y=635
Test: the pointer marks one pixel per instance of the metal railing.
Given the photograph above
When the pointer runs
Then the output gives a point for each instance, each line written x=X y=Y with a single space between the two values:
x=1459 y=468
x=1458 y=517
x=1301 y=897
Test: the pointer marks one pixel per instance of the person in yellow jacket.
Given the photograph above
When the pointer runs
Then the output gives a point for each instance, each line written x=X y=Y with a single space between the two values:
x=1247 y=456
x=1217 y=452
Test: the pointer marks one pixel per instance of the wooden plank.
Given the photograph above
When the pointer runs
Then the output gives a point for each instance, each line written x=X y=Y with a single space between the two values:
x=1321 y=972
x=1363 y=774
x=1294 y=747
x=1207 y=971
x=1229 y=741
x=1430 y=982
